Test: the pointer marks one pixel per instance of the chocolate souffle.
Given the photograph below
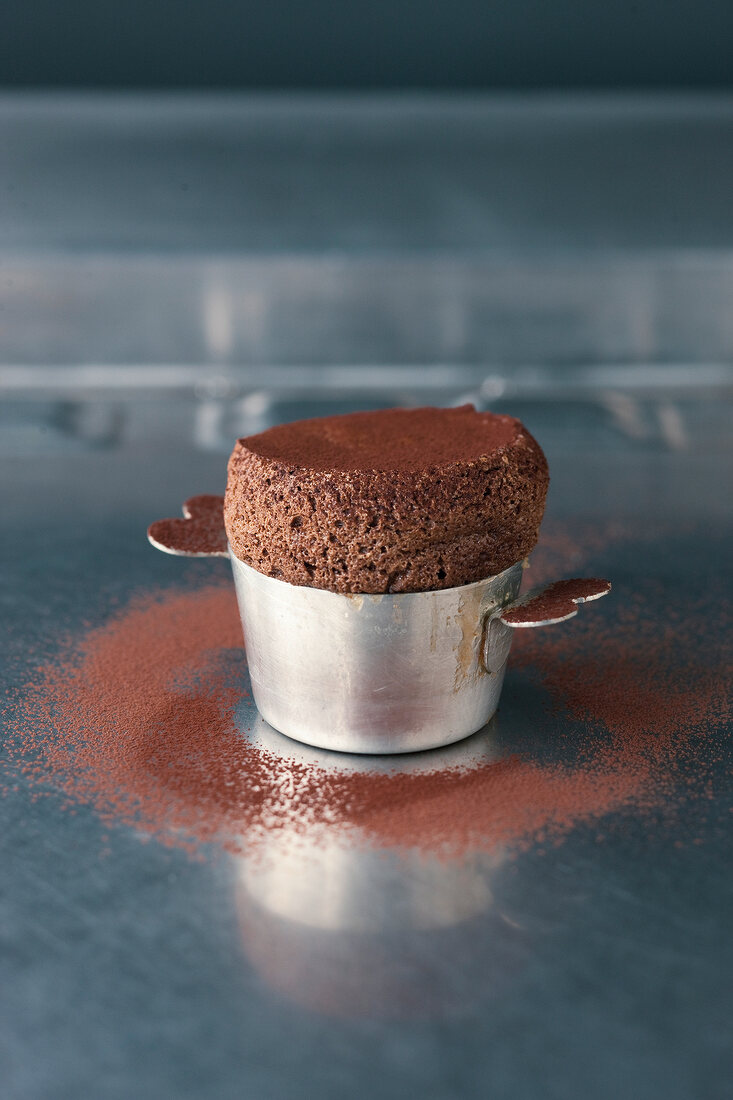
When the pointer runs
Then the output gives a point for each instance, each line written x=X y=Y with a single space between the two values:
x=400 y=500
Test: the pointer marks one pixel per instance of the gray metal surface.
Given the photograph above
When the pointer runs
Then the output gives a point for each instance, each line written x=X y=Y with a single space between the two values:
x=587 y=970
x=129 y=971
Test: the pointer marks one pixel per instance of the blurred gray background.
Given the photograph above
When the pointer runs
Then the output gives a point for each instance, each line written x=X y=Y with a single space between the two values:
x=209 y=198
x=381 y=44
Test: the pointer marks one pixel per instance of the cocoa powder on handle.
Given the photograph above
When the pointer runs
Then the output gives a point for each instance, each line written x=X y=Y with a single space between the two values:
x=201 y=531
x=557 y=602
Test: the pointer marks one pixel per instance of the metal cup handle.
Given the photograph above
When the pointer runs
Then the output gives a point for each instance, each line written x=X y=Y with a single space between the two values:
x=545 y=606
x=200 y=534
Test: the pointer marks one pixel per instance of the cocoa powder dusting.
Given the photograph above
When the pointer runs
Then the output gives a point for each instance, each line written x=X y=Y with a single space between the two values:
x=200 y=532
x=137 y=720
x=394 y=500
x=558 y=601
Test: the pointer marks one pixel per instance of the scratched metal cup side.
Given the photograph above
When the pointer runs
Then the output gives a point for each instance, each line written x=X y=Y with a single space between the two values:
x=372 y=674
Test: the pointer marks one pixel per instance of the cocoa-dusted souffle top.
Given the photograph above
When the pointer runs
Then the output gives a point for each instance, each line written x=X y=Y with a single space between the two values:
x=399 y=500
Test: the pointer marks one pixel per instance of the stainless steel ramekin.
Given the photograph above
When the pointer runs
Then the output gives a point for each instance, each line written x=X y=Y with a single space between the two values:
x=375 y=674
x=388 y=673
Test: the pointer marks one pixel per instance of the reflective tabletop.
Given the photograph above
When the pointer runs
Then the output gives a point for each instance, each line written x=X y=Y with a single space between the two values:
x=597 y=963
x=552 y=918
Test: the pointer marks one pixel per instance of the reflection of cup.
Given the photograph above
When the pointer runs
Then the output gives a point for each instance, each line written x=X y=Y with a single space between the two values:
x=342 y=927
x=372 y=673
x=349 y=931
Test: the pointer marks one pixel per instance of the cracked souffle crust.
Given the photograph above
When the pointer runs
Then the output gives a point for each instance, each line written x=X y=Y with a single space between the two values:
x=398 y=500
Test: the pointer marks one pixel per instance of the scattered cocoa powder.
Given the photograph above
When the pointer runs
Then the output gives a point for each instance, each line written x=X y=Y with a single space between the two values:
x=137 y=719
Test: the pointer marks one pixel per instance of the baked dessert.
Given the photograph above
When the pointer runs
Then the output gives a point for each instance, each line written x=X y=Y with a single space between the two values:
x=399 y=500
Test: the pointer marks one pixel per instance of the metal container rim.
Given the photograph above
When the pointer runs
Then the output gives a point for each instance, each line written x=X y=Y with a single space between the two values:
x=376 y=597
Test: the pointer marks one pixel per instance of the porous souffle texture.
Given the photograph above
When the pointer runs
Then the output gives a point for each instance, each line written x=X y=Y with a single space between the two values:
x=399 y=500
